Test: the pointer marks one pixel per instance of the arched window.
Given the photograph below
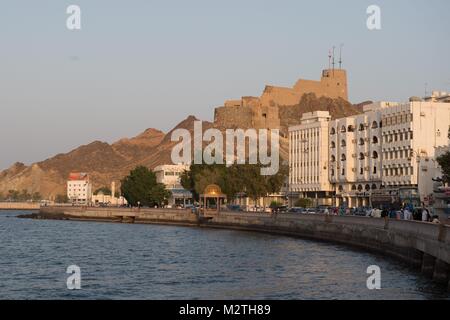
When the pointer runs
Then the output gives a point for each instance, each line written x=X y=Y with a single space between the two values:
x=353 y=187
x=343 y=129
x=375 y=155
x=374 y=187
x=360 y=188
x=375 y=140
x=361 y=156
x=362 y=127
x=333 y=145
x=333 y=158
x=333 y=131
x=361 y=141
x=341 y=188
x=343 y=157
x=367 y=187
x=343 y=143
x=332 y=172
x=351 y=128
x=374 y=125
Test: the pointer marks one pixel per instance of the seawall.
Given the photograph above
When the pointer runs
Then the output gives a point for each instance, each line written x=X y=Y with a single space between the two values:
x=422 y=245
x=19 y=205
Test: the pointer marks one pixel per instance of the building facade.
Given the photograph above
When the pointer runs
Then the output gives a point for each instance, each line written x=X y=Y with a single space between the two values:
x=79 y=188
x=308 y=158
x=170 y=176
x=355 y=156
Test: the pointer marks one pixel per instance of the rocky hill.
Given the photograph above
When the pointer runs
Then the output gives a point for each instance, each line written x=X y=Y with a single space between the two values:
x=104 y=162
x=338 y=108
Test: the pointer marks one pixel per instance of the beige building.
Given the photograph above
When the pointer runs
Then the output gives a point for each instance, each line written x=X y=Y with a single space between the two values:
x=170 y=176
x=308 y=158
x=109 y=199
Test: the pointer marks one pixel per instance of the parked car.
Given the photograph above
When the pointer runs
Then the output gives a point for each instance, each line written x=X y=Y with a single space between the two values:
x=234 y=207
x=296 y=210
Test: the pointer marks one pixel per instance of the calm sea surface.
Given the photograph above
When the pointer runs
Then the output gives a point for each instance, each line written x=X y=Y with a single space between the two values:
x=123 y=261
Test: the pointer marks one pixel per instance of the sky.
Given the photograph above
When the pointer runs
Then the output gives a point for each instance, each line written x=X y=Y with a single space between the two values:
x=141 y=64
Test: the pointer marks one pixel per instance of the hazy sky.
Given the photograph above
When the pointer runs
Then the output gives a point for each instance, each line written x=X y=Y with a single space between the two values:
x=140 y=64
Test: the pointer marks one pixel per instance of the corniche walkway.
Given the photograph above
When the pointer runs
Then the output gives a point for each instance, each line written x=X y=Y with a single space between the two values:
x=422 y=245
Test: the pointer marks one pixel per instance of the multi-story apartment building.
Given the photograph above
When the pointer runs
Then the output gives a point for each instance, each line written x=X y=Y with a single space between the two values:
x=308 y=158
x=411 y=132
x=377 y=151
x=355 y=156
x=79 y=188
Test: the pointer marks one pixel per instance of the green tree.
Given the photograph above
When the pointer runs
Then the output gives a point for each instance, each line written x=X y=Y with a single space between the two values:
x=235 y=179
x=24 y=195
x=13 y=195
x=105 y=190
x=140 y=186
x=61 y=198
x=304 y=203
x=444 y=162
x=36 y=196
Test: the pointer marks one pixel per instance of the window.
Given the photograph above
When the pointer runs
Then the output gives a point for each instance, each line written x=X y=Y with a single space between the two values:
x=333 y=145
x=361 y=141
x=361 y=156
x=351 y=128
x=343 y=143
x=333 y=158
x=343 y=157
x=375 y=140
x=375 y=125
x=333 y=131
x=361 y=127
x=361 y=171
x=343 y=129
x=375 y=155
x=374 y=170
x=374 y=187
x=332 y=172
x=367 y=187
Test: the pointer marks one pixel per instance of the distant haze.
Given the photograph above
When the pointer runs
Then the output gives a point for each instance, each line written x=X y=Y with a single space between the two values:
x=141 y=64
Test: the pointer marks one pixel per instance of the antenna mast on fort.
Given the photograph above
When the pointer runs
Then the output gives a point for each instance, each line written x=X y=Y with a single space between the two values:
x=329 y=59
x=340 y=56
x=333 y=57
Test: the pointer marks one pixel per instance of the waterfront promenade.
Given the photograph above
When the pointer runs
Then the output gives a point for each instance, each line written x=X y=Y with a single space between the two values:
x=421 y=245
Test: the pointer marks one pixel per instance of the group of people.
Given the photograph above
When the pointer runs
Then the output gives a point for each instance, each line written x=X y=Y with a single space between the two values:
x=407 y=212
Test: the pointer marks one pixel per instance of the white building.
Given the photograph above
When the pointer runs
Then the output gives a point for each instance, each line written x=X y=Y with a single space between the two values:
x=79 y=188
x=308 y=158
x=411 y=133
x=355 y=156
x=170 y=175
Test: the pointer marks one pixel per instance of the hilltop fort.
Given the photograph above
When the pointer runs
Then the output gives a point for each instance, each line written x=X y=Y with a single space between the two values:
x=263 y=112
